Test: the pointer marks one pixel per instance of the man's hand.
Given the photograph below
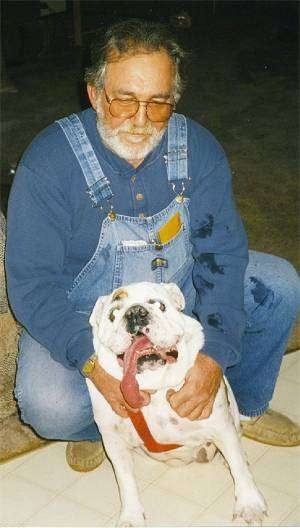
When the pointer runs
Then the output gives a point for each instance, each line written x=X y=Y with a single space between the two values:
x=110 y=389
x=196 y=397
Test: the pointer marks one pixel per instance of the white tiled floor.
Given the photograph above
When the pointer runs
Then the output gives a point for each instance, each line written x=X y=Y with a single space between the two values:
x=39 y=489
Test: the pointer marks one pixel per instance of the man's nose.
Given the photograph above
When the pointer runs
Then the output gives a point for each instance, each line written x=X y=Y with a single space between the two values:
x=140 y=119
x=136 y=318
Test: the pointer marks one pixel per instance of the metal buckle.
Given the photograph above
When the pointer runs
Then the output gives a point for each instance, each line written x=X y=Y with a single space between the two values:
x=159 y=262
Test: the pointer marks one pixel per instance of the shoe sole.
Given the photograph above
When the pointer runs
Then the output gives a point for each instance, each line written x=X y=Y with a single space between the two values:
x=77 y=466
x=267 y=442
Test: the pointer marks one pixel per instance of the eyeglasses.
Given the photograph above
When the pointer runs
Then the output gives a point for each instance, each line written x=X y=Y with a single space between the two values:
x=126 y=108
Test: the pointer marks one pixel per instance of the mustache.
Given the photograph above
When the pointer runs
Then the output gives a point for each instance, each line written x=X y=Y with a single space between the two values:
x=128 y=127
x=133 y=129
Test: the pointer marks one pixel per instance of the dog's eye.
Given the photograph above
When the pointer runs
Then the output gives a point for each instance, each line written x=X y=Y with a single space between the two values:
x=111 y=315
x=162 y=306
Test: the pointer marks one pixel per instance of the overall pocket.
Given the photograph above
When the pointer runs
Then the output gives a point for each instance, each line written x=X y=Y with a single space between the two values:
x=137 y=261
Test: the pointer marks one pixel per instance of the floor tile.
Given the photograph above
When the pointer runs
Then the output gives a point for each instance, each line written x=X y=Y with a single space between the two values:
x=48 y=468
x=11 y=465
x=293 y=519
x=254 y=450
x=64 y=512
x=148 y=469
x=166 y=508
x=289 y=360
x=20 y=499
x=97 y=490
x=280 y=469
x=221 y=511
x=292 y=372
x=286 y=398
x=208 y=481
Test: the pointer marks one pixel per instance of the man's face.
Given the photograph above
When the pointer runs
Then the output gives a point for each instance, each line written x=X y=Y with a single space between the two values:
x=145 y=77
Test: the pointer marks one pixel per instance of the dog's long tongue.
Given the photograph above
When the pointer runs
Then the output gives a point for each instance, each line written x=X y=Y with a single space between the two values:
x=129 y=385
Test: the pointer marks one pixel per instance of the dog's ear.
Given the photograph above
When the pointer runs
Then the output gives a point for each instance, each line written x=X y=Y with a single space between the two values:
x=97 y=311
x=176 y=295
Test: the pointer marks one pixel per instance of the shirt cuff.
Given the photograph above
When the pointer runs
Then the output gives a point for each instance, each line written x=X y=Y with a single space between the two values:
x=221 y=353
x=80 y=349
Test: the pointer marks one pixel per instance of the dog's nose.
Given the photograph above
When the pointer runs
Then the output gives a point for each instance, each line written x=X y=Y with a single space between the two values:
x=136 y=318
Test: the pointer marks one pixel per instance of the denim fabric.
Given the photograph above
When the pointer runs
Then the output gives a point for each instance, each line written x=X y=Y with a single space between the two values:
x=98 y=186
x=55 y=400
x=128 y=246
x=272 y=303
x=53 y=231
x=125 y=254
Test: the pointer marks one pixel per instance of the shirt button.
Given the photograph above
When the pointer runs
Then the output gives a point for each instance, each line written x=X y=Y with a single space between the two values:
x=133 y=178
x=139 y=196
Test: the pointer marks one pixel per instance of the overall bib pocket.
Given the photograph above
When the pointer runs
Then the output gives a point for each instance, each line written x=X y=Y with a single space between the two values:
x=136 y=261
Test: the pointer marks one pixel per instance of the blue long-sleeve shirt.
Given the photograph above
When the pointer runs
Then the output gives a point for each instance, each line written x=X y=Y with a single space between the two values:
x=53 y=231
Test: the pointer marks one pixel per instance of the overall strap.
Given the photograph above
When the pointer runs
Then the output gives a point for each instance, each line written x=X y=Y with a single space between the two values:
x=176 y=159
x=98 y=185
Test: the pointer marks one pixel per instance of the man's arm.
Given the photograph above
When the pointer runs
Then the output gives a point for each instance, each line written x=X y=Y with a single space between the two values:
x=38 y=230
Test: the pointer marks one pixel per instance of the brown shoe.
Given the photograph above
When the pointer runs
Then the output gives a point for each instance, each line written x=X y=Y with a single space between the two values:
x=272 y=428
x=85 y=455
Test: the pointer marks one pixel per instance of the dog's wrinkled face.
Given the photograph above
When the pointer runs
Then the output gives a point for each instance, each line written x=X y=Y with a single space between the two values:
x=141 y=324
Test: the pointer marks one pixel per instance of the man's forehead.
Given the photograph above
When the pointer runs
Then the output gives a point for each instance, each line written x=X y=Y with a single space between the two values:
x=130 y=72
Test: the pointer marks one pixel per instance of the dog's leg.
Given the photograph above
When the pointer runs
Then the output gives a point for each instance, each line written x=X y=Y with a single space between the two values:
x=249 y=502
x=132 y=512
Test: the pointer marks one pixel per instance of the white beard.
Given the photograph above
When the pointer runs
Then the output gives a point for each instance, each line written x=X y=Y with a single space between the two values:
x=112 y=140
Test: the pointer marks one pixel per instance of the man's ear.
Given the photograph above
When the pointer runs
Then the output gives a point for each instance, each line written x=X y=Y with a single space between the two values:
x=93 y=95
x=97 y=312
x=175 y=294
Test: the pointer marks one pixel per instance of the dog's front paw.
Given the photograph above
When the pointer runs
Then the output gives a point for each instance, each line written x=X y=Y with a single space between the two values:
x=130 y=518
x=251 y=508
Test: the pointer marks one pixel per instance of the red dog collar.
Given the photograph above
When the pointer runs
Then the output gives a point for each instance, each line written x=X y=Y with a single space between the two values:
x=144 y=433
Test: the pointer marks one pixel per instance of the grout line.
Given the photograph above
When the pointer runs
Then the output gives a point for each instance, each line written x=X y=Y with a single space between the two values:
x=60 y=494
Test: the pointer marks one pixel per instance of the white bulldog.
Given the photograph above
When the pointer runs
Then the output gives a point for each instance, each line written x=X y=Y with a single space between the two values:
x=143 y=339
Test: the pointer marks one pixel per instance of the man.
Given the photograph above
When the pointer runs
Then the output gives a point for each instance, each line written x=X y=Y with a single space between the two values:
x=129 y=190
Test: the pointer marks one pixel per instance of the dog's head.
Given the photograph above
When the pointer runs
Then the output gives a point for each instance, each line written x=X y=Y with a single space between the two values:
x=141 y=334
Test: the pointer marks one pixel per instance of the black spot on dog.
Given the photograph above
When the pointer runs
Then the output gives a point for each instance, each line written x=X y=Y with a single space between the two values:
x=202 y=455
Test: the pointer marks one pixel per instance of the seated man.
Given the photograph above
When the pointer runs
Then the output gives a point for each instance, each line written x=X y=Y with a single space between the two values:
x=125 y=191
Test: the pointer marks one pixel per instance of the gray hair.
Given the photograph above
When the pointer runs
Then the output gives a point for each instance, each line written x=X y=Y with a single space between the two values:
x=129 y=37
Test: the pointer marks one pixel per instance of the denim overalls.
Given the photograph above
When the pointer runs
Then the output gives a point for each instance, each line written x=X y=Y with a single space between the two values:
x=129 y=249
x=54 y=400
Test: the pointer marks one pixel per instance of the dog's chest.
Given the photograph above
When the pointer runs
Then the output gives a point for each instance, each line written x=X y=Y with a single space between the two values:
x=166 y=426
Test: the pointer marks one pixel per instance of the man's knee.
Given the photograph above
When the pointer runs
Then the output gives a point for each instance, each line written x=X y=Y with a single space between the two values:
x=272 y=287
x=52 y=399
x=286 y=285
x=51 y=415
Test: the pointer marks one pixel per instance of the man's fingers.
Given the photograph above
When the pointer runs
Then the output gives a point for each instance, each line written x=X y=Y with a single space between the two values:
x=185 y=408
x=146 y=397
x=206 y=411
x=169 y=393
x=119 y=409
x=196 y=413
x=201 y=412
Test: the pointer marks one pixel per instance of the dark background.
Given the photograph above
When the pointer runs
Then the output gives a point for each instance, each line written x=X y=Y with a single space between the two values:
x=243 y=82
